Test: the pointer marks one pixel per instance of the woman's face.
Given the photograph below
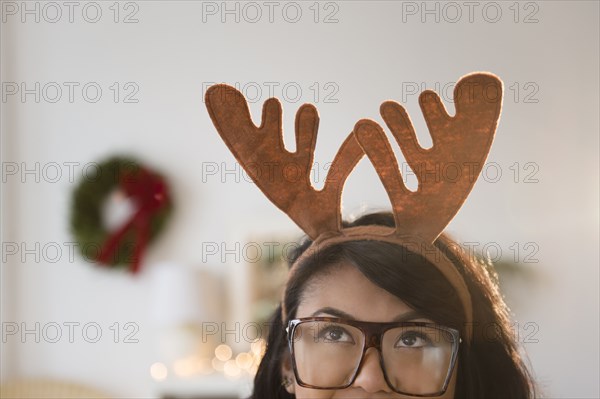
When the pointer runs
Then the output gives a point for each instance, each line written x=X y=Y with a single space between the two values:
x=346 y=293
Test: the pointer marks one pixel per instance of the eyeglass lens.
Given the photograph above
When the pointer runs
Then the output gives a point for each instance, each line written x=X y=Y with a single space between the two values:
x=416 y=359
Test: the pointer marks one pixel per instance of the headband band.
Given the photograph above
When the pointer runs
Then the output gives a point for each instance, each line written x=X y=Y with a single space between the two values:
x=412 y=243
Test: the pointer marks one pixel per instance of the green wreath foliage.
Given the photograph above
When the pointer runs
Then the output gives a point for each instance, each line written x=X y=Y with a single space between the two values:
x=86 y=212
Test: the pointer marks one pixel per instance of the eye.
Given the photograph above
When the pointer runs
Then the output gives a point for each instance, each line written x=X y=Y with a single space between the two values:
x=412 y=339
x=335 y=334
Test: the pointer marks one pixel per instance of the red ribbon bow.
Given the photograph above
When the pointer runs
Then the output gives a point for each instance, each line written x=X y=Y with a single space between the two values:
x=150 y=194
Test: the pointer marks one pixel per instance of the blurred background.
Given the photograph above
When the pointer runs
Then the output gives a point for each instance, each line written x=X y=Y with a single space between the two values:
x=84 y=82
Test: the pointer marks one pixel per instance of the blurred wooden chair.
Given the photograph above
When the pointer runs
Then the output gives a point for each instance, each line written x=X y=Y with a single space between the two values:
x=39 y=388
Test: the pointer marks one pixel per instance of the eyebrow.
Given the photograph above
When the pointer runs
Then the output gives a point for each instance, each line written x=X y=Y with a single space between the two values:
x=411 y=315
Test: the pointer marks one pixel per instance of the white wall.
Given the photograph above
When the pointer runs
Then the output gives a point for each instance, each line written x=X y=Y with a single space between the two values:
x=374 y=52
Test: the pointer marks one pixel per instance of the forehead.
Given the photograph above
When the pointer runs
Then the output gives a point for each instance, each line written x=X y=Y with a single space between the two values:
x=345 y=288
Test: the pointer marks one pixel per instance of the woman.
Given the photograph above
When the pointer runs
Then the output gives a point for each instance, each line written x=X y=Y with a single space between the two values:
x=374 y=281
x=385 y=307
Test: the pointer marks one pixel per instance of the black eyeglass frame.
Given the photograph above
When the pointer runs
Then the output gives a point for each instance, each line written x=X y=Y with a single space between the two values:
x=373 y=335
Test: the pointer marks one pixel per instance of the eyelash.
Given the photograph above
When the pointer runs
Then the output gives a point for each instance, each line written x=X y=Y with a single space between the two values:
x=333 y=327
x=413 y=334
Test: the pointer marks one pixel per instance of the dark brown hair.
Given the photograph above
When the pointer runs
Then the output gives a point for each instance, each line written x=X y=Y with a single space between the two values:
x=490 y=367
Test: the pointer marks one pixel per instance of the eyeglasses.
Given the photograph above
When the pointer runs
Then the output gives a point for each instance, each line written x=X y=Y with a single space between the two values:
x=417 y=358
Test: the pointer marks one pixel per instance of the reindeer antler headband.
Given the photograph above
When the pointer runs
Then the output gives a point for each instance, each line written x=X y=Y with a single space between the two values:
x=460 y=147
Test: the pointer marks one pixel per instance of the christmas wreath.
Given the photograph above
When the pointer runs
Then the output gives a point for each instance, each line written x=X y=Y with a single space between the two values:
x=130 y=181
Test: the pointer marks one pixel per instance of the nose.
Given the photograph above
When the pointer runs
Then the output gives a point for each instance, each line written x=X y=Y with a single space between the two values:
x=370 y=376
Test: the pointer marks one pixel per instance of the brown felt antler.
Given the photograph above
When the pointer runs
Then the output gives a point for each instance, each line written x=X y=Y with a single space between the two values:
x=284 y=176
x=448 y=170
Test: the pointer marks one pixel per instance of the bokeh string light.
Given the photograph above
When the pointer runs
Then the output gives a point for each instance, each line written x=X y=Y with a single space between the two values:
x=243 y=364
